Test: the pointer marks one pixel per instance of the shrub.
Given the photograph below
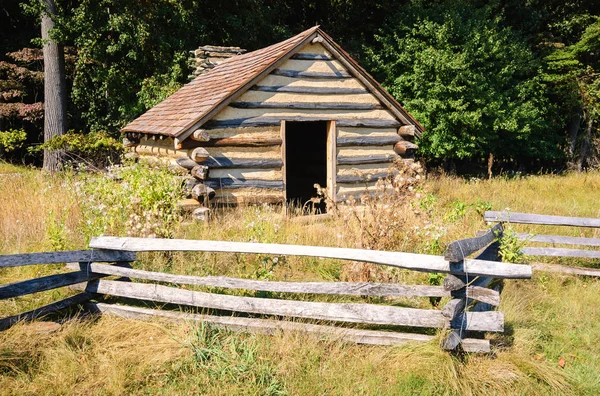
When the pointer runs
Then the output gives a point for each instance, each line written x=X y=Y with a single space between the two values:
x=95 y=149
x=12 y=140
x=134 y=200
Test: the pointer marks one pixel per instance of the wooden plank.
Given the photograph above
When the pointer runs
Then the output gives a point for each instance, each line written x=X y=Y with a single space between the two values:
x=307 y=56
x=230 y=183
x=316 y=75
x=483 y=294
x=336 y=288
x=366 y=178
x=559 y=239
x=244 y=141
x=247 y=174
x=453 y=283
x=264 y=326
x=10 y=321
x=248 y=196
x=528 y=218
x=368 y=159
x=349 y=141
x=271 y=327
x=492 y=321
x=271 y=121
x=563 y=269
x=306 y=105
x=282 y=129
x=227 y=162
x=417 y=262
x=463 y=248
x=453 y=308
x=186 y=163
x=407 y=130
x=452 y=340
x=560 y=252
x=44 y=283
x=332 y=137
x=489 y=253
x=309 y=90
x=19 y=260
x=340 y=312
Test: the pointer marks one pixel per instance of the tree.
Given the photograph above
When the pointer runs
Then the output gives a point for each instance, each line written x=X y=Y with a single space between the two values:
x=574 y=72
x=55 y=91
x=473 y=83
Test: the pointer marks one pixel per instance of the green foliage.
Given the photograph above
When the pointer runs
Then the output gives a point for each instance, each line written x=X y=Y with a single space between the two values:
x=12 y=140
x=510 y=246
x=232 y=358
x=136 y=201
x=472 y=82
x=56 y=232
x=97 y=149
x=483 y=77
x=458 y=210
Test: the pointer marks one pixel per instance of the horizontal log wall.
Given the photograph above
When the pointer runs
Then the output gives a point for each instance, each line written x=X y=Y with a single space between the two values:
x=314 y=66
x=244 y=141
x=247 y=196
x=232 y=113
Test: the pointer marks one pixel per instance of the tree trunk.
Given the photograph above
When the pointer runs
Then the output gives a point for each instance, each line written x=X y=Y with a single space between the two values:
x=573 y=130
x=586 y=145
x=55 y=92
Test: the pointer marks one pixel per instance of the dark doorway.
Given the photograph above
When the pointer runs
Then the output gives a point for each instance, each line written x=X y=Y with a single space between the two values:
x=305 y=163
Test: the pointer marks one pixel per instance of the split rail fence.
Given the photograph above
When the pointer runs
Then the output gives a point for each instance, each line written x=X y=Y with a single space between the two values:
x=472 y=284
x=547 y=220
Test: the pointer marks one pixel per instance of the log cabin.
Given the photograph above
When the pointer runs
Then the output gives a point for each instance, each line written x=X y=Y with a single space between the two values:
x=266 y=126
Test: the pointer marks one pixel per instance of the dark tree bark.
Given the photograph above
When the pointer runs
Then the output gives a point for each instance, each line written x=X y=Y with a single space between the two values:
x=55 y=91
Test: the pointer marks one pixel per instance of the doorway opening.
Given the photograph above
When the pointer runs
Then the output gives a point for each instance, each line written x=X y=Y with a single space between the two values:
x=306 y=164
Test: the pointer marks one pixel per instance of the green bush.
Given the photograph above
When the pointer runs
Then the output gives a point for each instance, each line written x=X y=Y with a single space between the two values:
x=12 y=140
x=95 y=149
x=132 y=200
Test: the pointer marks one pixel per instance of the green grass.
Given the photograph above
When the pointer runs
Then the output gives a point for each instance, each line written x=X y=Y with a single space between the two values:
x=547 y=318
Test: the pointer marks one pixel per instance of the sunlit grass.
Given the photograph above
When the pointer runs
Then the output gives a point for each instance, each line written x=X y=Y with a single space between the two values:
x=548 y=317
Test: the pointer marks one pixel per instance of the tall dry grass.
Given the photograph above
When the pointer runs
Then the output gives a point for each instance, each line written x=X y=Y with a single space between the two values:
x=547 y=318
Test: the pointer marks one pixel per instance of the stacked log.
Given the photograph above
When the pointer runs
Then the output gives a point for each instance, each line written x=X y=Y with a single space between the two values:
x=206 y=57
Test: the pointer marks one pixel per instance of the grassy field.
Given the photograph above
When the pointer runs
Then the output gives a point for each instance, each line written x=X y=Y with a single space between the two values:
x=547 y=318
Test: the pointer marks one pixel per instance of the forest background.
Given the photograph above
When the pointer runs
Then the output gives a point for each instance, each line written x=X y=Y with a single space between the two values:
x=510 y=84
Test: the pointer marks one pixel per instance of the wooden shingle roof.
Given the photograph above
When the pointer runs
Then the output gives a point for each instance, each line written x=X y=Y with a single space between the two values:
x=198 y=101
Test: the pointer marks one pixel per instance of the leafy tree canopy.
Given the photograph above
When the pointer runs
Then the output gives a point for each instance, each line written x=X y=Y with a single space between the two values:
x=472 y=82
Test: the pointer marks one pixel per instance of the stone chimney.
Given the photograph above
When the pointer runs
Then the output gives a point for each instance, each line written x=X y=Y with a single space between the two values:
x=208 y=56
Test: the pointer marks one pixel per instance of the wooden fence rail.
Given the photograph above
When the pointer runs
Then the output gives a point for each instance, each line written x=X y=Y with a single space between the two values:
x=466 y=285
x=340 y=312
x=412 y=261
x=536 y=219
x=529 y=218
x=55 y=281
x=19 y=260
x=270 y=327
x=333 y=288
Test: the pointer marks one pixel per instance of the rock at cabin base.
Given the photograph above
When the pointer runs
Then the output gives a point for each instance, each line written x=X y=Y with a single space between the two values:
x=201 y=214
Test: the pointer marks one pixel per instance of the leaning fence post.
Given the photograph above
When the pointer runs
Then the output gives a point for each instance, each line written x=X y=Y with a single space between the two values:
x=457 y=285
